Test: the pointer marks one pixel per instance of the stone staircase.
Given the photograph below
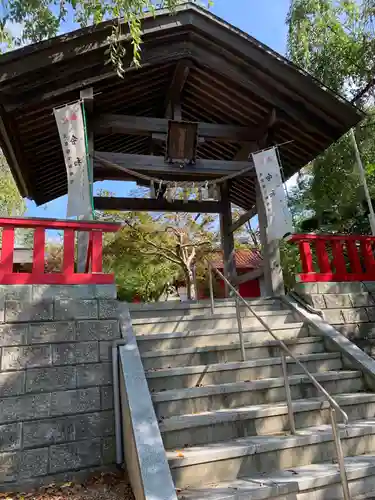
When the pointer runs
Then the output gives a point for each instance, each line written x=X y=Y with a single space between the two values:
x=224 y=422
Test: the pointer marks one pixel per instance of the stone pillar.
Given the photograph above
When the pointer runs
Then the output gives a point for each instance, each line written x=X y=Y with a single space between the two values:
x=56 y=404
x=273 y=274
x=227 y=240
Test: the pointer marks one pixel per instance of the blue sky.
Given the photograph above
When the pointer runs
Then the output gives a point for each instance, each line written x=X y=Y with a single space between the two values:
x=262 y=19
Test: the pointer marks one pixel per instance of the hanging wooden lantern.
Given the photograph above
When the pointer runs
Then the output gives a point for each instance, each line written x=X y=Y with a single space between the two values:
x=182 y=140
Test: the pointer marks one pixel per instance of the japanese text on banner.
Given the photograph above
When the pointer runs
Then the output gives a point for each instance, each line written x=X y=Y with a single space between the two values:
x=71 y=129
x=279 y=218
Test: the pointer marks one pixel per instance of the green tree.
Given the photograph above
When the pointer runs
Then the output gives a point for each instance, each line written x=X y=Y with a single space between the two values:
x=334 y=41
x=42 y=19
x=134 y=255
x=11 y=202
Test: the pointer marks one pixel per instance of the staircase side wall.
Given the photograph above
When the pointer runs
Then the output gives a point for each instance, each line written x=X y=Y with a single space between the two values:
x=56 y=401
x=349 y=307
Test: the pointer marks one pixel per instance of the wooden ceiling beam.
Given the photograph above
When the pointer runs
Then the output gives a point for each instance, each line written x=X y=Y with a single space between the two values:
x=155 y=205
x=261 y=141
x=157 y=165
x=142 y=125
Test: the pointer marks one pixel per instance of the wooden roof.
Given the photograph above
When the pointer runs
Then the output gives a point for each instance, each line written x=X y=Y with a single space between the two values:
x=233 y=79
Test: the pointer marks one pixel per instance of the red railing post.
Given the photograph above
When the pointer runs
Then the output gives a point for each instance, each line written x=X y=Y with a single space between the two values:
x=322 y=257
x=338 y=259
x=368 y=255
x=68 y=255
x=306 y=257
x=354 y=260
x=97 y=252
x=38 y=252
x=7 y=250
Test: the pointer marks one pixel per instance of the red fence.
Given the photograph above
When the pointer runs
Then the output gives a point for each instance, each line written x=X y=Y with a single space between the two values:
x=68 y=274
x=335 y=257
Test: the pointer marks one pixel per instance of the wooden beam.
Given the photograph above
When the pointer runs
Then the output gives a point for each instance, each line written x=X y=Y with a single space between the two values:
x=260 y=140
x=227 y=240
x=163 y=137
x=142 y=125
x=251 y=275
x=173 y=100
x=155 y=205
x=157 y=165
x=243 y=219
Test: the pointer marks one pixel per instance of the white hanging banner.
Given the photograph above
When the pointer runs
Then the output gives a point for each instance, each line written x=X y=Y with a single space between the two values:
x=279 y=218
x=71 y=128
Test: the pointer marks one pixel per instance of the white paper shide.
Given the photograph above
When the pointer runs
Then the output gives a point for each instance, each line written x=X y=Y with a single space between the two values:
x=70 y=124
x=279 y=218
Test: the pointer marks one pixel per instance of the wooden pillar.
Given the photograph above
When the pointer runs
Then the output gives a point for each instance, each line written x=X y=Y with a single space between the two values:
x=227 y=240
x=273 y=275
x=83 y=238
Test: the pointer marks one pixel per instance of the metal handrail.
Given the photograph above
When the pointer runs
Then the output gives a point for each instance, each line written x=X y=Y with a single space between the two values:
x=334 y=406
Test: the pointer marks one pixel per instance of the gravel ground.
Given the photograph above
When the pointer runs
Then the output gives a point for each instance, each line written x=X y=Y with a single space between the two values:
x=103 y=487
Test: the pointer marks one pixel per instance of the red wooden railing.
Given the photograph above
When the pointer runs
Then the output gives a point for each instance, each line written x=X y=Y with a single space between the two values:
x=68 y=275
x=335 y=257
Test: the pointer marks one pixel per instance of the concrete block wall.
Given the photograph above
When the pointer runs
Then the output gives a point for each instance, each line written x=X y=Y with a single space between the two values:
x=350 y=307
x=56 y=399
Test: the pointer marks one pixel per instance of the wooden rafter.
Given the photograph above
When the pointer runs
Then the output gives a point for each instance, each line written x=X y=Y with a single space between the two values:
x=243 y=219
x=156 y=205
x=173 y=99
x=142 y=125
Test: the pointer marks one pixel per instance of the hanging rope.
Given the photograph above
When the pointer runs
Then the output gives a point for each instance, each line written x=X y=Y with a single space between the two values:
x=162 y=182
x=182 y=184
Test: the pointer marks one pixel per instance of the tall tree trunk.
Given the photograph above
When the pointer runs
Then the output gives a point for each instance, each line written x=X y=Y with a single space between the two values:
x=190 y=288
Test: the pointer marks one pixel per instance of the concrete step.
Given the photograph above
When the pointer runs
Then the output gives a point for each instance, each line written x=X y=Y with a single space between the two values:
x=309 y=482
x=226 y=461
x=237 y=371
x=239 y=394
x=176 y=305
x=179 y=340
x=194 y=322
x=227 y=353
x=205 y=308
x=201 y=338
x=257 y=420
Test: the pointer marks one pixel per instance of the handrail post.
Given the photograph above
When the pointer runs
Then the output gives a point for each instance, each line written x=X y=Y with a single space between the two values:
x=285 y=348
x=212 y=301
x=292 y=425
x=340 y=454
x=240 y=331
